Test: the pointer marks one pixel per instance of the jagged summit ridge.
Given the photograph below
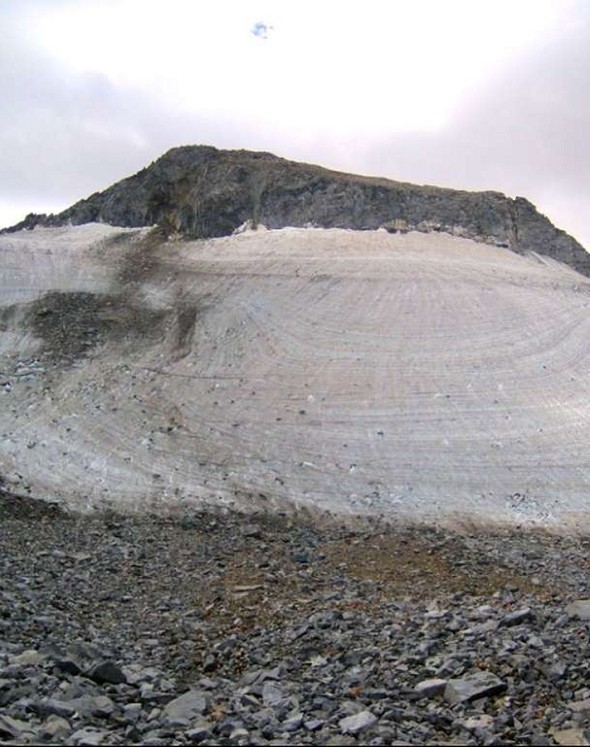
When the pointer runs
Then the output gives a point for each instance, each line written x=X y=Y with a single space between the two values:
x=202 y=192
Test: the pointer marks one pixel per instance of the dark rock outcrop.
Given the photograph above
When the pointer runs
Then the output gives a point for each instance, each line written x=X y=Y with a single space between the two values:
x=203 y=192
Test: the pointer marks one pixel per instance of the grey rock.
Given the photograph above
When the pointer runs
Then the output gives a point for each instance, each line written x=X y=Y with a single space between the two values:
x=571 y=737
x=14 y=692
x=357 y=723
x=12 y=728
x=156 y=737
x=249 y=700
x=295 y=633
x=556 y=671
x=293 y=722
x=137 y=676
x=579 y=609
x=199 y=733
x=185 y=708
x=428 y=688
x=272 y=693
x=541 y=740
x=55 y=727
x=132 y=712
x=239 y=735
x=340 y=740
x=107 y=672
x=31 y=657
x=314 y=724
x=477 y=684
x=516 y=618
x=485 y=721
x=483 y=628
x=56 y=707
x=228 y=726
x=74 y=658
x=100 y=706
x=251 y=530
x=88 y=737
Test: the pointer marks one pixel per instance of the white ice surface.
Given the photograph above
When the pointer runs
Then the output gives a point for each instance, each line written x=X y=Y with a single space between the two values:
x=422 y=376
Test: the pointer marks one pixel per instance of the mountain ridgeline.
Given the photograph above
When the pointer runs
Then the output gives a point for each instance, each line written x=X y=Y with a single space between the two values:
x=201 y=192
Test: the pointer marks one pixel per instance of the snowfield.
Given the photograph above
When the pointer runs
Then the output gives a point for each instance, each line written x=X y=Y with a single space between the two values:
x=422 y=377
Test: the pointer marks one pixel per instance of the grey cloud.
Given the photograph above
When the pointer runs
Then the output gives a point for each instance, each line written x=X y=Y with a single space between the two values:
x=525 y=133
x=65 y=135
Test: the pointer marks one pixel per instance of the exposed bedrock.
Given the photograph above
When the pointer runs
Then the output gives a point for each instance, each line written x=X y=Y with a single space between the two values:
x=202 y=192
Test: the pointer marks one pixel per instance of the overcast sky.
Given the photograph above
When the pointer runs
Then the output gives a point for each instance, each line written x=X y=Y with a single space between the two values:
x=460 y=93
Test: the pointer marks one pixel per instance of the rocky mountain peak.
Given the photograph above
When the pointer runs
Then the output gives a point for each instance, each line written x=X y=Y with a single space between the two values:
x=202 y=192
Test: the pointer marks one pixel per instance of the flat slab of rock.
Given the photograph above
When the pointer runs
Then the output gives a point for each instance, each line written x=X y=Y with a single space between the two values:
x=31 y=657
x=580 y=609
x=12 y=728
x=272 y=693
x=516 y=618
x=573 y=737
x=186 y=707
x=485 y=721
x=89 y=737
x=357 y=723
x=100 y=705
x=477 y=684
x=428 y=688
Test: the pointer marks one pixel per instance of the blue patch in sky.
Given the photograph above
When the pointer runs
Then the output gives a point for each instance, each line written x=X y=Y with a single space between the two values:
x=261 y=30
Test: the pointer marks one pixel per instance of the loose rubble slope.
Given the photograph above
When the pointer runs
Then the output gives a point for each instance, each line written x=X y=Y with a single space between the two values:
x=212 y=629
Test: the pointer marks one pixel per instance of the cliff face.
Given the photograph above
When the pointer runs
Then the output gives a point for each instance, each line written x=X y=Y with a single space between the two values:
x=203 y=192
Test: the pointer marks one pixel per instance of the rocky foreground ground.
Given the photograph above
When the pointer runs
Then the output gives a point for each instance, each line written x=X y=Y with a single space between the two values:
x=223 y=629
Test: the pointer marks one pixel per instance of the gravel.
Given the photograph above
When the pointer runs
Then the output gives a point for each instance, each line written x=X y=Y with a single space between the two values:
x=209 y=629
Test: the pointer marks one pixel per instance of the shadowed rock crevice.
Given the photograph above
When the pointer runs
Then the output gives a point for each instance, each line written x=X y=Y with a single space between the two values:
x=202 y=192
